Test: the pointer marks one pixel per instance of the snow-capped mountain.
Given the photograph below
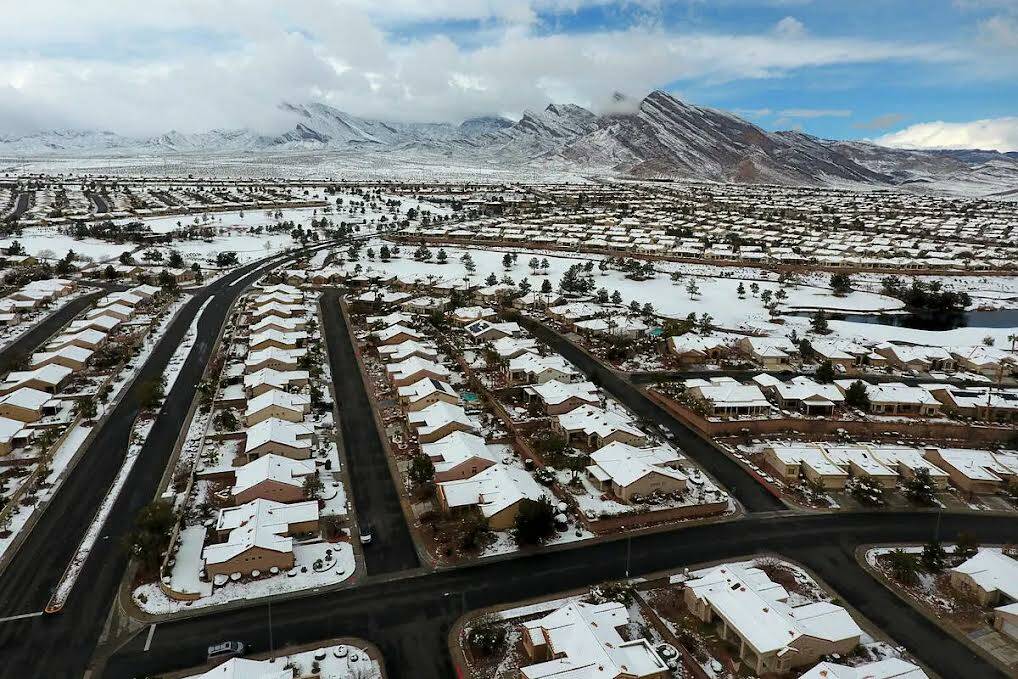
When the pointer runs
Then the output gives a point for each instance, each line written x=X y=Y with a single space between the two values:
x=658 y=137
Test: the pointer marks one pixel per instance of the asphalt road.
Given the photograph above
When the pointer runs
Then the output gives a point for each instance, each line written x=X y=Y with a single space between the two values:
x=99 y=201
x=375 y=497
x=61 y=645
x=409 y=619
x=27 y=344
x=752 y=495
x=21 y=205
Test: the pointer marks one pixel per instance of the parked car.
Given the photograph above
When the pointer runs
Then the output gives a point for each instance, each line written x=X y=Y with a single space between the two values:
x=367 y=533
x=225 y=650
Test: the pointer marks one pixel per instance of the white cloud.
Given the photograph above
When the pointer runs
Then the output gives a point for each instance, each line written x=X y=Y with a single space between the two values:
x=1000 y=134
x=790 y=27
x=197 y=64
x=1000 y=31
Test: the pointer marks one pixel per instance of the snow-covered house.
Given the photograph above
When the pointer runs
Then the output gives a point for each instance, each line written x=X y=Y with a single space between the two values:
x=487 y=331
x=976 y=471
x=531 y=368
x=982 y=402
x=558 y=397
x=282 y=360
x=805 y=394
x=691 y=349
x=49 y=378
x=510 y=347
x=625 y=327
x=89 y=338
x=396 y=334
x=592 y=428
x=897 y=398
x=989 y=361
x=276 y=309
x=414 y=369
x=807 y=460
x=465 y=315
x=730 y=399
x=274 y=339
x=460 y=455
x=271 y=477
x=24 y=404
x=582 y=640
x=919 y=358
x=279 y=324
x=395 y=353
x=102 y=322
x=272 y=435
x=389 y=320
x=771 y=636
x=496 y=491
x=425 y=392
x=267 y=379
x=278 y=404
x=73 y=357
x=439 y=420
x=887 y=668
x=259 y=536
x=629 y=471
x=772 y=353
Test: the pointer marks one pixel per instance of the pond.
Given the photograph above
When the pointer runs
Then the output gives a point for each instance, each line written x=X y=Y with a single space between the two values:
x=997 y=318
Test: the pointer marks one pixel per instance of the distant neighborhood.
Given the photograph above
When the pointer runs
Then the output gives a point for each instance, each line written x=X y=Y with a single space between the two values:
x=623 y=429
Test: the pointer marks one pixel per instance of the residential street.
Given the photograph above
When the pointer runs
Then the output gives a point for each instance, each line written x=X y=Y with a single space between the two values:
x=61 y=645
x=409 y=619
x=374 y=494
x=30 y=342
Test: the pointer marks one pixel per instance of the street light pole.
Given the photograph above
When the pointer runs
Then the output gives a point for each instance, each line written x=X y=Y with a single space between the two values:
x=629 y=545
x=272 y=647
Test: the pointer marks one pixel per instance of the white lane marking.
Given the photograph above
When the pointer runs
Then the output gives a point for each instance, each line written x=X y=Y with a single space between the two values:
x=151 y=632
x=12 y=618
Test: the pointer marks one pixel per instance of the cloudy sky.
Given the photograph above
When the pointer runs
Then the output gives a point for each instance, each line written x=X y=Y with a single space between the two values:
x=933 y=73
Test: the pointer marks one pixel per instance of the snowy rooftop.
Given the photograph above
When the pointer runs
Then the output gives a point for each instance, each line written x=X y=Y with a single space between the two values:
x=585 y=643
x=493 y=489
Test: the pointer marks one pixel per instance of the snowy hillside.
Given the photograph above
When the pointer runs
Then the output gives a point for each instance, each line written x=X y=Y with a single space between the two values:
x=661 y=137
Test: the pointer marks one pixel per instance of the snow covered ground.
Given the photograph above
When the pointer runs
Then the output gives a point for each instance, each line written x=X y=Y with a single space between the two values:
x=47 y=241
x=329 y=662
x=337 y=565
x=718 y=294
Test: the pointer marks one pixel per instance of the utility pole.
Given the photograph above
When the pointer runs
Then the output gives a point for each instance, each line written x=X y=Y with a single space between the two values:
x=272 y=647
x=629 y=545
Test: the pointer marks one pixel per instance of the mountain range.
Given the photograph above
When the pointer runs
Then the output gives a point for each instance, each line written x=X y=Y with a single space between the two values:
x=659 y=137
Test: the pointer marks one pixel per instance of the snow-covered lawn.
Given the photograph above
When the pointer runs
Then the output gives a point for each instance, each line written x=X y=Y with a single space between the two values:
x=40 y=239
x=335 y=568
x=718 y=294
x=329 y=662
